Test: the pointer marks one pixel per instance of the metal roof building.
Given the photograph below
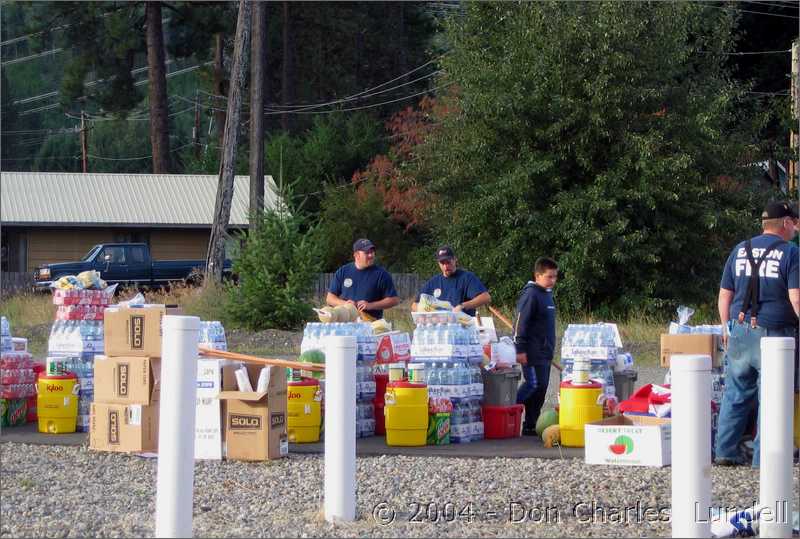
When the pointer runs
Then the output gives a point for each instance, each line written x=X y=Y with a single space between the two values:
x=137 y=200
x=50 y=217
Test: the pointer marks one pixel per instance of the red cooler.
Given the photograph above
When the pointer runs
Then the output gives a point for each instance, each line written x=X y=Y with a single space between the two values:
x=502 y=421
x=381 y=380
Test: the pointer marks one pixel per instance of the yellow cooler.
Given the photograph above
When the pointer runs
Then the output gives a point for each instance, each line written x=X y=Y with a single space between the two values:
x=406 y=413
x=578 y=406
x=57 y=401
x=304 y=415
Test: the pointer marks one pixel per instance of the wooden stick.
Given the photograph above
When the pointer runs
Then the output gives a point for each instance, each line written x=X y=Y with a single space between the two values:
x=208 y=352
x=508 y=323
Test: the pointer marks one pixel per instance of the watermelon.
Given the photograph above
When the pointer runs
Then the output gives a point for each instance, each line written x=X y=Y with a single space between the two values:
x=312 y=356
x=546 y=418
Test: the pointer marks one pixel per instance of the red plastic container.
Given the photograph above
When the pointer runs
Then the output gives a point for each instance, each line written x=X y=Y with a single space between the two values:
x=32 y=406
x=380 y=419
x=381 y=381
x=502 y=421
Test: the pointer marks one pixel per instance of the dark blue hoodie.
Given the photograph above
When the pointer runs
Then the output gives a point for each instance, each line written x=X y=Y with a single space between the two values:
x=535 y=325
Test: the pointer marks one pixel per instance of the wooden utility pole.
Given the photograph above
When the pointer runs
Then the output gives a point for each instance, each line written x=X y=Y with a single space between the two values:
x=222 y=209
x=219 y=86
x=258 y=64
x=84 y=144
x=286 y=66
x=196 y=129
x=156 y=75
x=793 y=135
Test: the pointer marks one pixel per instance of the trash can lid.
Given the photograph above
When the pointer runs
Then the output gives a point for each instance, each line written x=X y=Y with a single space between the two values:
x=65 y=376
x=589 y=385
x=304 y=382
x=408 y=385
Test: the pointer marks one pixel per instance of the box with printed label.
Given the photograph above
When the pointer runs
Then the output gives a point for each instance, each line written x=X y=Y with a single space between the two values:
x=695 y=343
x=124 y=428
x=208 y=412
x=254 y=422
x=127 y=380
x=135 y=331
x=632 y=440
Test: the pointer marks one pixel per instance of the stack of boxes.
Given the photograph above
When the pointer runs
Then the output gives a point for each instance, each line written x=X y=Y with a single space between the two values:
x=124 y=414
x=17 y=379
x=598 y=344
x=208 y=412
x=75 y=338
x=450 y=355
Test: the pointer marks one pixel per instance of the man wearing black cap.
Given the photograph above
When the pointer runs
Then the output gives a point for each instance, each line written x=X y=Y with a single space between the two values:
x=367 y=286
x=759 y=296
x=461 y=288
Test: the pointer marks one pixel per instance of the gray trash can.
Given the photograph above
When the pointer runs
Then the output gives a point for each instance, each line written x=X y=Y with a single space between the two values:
x=500 y=387
x=624 y=382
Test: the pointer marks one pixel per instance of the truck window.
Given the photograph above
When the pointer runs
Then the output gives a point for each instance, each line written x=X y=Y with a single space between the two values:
x=117 y=255
x=137 y=255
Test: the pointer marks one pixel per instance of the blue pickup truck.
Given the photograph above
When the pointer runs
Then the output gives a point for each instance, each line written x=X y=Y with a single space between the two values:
x=126 y=263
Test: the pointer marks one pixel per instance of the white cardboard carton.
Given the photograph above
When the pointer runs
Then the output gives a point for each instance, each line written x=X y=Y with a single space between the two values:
x=208 y=415
x=629 y=441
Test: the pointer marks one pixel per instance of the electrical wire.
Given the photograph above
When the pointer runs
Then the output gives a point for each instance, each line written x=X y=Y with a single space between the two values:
x=101 y=158
x=754 y=12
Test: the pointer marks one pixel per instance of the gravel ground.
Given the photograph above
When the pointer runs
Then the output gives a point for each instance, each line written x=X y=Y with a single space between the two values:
x=69 y=491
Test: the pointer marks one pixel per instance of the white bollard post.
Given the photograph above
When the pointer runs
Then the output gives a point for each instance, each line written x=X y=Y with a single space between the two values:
x=340 y=429
x=691 y=445
x=175 y=482
x=775 y=426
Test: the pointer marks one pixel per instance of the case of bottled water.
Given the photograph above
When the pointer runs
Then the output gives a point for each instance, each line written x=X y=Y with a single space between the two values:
x=212 y=335
x=315 y=333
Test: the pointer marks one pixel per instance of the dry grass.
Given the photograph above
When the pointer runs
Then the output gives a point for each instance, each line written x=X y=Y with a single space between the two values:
x=32 y=314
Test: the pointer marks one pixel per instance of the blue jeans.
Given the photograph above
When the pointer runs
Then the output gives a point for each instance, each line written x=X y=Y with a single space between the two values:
x=533 y=391
x=741 y=394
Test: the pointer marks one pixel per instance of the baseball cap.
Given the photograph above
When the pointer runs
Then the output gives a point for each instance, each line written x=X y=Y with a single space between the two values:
x=779 y=209
x=363 y=244
x=445 y=252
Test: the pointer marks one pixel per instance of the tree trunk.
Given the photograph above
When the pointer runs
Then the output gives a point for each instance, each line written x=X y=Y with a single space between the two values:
x=156 y=74
x=286 y=67
x=222 y=208
x=219 y=86
x=258 y=72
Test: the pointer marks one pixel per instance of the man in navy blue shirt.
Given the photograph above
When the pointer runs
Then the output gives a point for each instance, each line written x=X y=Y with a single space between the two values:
x=749 y=309
x=367 y=286
x=461 y=288
x=535 y=339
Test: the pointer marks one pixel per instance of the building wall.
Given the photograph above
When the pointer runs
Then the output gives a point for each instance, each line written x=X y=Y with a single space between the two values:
x=168 y=244
x=49 y=245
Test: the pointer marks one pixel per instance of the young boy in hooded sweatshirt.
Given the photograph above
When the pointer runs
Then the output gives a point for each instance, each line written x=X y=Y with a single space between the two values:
x=535 y=339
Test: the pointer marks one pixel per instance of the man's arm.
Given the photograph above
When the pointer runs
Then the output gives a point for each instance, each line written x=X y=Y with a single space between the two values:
x=524 y=308
x=334 y=301
x=481 y=299
x=794 y=298
x=724 y=307
x=380 y=305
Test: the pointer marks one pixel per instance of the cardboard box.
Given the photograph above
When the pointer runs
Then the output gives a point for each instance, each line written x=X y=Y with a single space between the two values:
x=127 y=380
x=208 y=413
x=629 y=441
x=255 y=422
x=124 y=428
x=135 y=331
x=696 y=343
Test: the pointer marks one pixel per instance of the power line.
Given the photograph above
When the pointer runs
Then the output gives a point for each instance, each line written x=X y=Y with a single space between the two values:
x=754 y=12
x=371 y=106
x=746 y=53
x=302 y=106
x=32 y=57
x=134 y=158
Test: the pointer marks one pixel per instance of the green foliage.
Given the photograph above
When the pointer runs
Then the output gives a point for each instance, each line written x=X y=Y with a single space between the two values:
x=348 y=214
x=277 y=268
x=330 y=151
x=597 y=133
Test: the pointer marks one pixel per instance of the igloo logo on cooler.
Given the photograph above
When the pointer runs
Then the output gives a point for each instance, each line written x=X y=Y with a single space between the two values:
x=54 y=388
